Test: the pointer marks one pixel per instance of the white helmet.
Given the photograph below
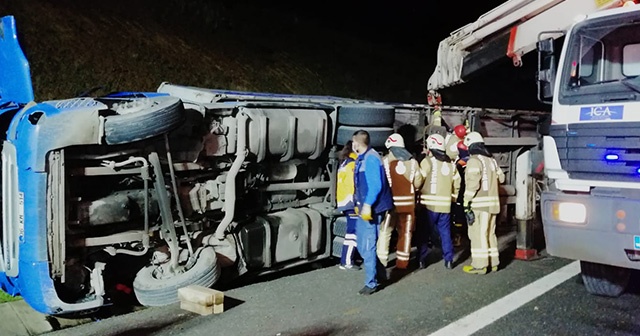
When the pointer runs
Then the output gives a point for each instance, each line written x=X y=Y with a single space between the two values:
x=394 y=140
x=435 y=141
x=473 y=137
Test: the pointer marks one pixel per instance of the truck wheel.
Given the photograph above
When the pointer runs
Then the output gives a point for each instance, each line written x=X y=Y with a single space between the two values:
x=378 y=135
x=366 y=115
x=153 y=290
x=604 y=280
x=141 y=118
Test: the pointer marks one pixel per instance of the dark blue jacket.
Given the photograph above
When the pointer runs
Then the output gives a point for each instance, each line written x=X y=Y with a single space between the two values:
x=371 y=183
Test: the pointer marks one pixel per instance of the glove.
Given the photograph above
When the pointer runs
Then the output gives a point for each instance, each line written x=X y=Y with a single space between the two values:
x=355 y=209
x=366 y=212
x=469 y=215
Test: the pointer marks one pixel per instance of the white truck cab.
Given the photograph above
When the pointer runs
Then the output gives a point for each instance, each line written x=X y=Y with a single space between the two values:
x=592 y=146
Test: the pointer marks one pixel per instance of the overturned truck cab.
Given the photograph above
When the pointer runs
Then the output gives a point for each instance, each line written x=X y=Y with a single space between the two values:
x=158 y=190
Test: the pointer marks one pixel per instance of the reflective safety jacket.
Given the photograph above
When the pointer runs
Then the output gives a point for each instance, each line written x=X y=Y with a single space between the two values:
x=481 y=184
x=441 y=184
x=404 y=177
x=345 y=187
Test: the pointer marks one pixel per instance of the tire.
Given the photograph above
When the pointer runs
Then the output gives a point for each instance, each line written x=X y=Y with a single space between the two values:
x=366 y=115
x=340 y=227
x=141 y=118
x=151 y=291
x=604 y=280
x=377 y=135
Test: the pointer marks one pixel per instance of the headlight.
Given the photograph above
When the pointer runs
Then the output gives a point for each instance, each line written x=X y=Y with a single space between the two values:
x=569 y=212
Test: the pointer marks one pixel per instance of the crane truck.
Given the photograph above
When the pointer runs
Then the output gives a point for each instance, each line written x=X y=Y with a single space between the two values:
x=591 y=145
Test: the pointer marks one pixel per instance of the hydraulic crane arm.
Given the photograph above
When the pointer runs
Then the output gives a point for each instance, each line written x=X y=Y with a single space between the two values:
x=511 y=30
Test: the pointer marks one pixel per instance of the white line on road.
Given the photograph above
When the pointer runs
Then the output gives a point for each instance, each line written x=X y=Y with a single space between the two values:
x=492 y=312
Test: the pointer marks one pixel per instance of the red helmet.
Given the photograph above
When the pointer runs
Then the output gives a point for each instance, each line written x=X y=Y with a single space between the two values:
x=460 y=131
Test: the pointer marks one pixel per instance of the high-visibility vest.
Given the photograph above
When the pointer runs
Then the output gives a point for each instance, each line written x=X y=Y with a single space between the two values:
x=441 y=184
x=401 y=175
x=481 y=184
x=345 y=183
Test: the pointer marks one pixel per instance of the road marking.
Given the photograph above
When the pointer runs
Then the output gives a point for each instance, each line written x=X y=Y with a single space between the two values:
x=492 y=312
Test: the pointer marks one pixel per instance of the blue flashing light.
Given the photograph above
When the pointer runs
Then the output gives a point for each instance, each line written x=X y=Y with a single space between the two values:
x=638 y=170
x=612 y=157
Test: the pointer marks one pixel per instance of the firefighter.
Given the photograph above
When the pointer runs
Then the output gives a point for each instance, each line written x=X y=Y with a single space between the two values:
x=344 y=198
x=482 y=205
x=458 y=214
x=452 y=141
x=440 y=187
x=404 y=177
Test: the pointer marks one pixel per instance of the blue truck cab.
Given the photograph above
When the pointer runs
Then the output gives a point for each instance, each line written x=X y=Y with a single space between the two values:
x=33 y=134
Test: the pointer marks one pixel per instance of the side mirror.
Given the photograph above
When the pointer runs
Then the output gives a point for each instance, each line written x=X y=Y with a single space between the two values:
x=546 y=46
x=546 y=70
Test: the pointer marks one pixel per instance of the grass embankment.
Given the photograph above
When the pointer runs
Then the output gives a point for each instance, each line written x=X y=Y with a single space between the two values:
x=135 y=45
x=4 y=297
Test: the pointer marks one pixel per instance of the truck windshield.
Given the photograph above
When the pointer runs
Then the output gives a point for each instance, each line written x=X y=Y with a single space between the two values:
x=602 y=62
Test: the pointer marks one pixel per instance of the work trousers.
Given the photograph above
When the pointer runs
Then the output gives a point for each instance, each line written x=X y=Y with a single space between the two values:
x=441 y=223
x=484 y=243
x=349 y=247
x=367 y=237
x=405 y=224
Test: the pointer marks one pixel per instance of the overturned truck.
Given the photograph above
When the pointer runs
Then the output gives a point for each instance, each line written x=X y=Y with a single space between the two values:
x=159 y=190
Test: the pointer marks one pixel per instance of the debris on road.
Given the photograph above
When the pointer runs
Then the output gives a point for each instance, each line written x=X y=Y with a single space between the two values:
x=201 y=300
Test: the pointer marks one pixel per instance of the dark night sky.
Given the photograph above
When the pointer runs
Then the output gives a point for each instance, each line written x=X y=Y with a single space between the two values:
x=417 y=27
x=397 y=28
x=412 y=24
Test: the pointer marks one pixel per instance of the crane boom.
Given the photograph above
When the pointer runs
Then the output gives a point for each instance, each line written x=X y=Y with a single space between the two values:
x=511 y=30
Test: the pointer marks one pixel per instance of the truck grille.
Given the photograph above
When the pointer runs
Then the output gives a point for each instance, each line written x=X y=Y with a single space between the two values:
x=607 y=151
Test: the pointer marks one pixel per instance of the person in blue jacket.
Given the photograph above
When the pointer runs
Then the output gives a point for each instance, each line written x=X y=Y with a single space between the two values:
x=373 y=199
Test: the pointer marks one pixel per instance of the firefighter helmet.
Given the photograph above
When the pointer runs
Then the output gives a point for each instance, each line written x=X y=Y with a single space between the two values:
x=473 y=137
x=460 y=131
x=394 y=140
x=435 y=141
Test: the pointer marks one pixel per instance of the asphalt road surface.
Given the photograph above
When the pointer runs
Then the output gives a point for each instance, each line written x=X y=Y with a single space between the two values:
x=543 y=297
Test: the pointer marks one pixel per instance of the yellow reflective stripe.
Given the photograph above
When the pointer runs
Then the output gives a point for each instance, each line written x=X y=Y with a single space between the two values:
x=413 y=170
x=434 y=197
x=403 y=203
x=436 y=203
x=484 y=205
x=486 y=198
x=386 y=170
x=403 y=197
x=480 y=255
